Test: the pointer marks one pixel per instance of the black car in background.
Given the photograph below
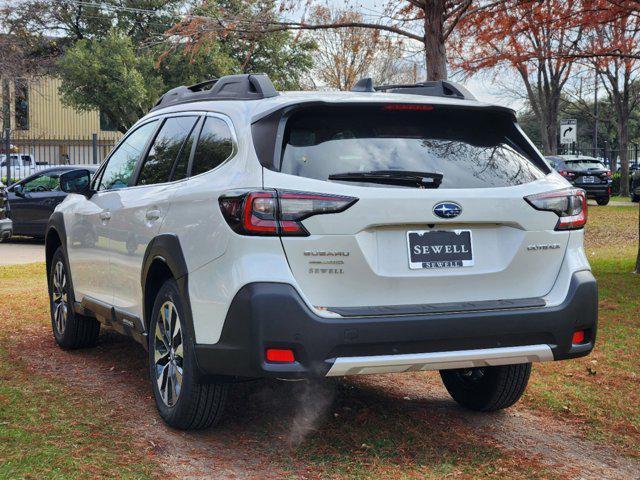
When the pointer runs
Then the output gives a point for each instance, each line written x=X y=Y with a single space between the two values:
x=31 y=201
x=587 y=173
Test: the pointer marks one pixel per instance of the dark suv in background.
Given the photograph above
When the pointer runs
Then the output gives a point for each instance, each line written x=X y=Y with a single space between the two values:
x=588 y=173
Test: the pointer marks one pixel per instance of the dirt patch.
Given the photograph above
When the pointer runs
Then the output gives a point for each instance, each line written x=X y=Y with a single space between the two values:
x=377 y=426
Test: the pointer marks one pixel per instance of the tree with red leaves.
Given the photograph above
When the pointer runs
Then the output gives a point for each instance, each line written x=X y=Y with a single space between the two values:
x=538 y=39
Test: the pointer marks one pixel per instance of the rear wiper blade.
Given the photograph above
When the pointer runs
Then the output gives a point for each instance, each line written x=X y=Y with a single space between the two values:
x=392 y=177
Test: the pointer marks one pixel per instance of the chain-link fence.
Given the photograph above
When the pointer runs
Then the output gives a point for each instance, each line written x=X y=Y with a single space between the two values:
x=21 y=155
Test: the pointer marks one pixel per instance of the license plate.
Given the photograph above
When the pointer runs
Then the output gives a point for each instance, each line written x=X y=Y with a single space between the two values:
x=439 y=249
x=589 y=179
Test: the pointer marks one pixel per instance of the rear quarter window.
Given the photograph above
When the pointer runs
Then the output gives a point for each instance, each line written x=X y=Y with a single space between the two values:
x=471 y=149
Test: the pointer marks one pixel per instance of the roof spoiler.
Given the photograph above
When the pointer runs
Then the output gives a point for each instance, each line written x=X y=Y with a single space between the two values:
x=438 y=88
x=230 y=87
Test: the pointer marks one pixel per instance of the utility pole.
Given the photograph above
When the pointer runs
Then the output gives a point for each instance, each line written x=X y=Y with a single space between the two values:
x=595 y=116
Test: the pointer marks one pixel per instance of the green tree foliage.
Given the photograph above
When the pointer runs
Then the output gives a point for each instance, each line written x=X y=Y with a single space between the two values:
x=118 y=58
x=108 y=75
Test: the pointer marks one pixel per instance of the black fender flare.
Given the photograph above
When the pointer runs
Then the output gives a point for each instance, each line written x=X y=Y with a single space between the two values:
x=167 y=249
x=55 y=224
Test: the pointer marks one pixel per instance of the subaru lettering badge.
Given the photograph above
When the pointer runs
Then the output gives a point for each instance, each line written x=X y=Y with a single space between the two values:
x=447 y=209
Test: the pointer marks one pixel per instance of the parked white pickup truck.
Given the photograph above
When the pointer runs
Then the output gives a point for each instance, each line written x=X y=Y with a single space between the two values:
x=22 y=165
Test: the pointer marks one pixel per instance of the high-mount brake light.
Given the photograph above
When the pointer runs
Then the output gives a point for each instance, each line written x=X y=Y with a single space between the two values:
x=407 y=107
x=277 y=213
x=569 y=204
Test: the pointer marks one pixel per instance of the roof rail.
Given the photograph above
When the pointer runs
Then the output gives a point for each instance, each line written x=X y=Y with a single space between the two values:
x=438 y=88
x=230 y=87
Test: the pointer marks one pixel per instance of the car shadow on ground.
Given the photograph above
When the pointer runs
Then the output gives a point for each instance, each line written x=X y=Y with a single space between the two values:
x=343 y=421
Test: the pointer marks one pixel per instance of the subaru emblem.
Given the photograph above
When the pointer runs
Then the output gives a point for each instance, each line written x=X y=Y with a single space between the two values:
x=447 y=209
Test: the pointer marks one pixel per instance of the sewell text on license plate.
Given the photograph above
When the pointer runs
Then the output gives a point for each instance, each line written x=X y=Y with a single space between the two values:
x=439 y=248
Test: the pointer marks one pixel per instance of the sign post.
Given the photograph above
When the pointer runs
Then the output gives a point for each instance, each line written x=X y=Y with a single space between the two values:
x=568 y=131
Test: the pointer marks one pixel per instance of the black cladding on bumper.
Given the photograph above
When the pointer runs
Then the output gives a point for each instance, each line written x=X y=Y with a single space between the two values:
x=272 y=315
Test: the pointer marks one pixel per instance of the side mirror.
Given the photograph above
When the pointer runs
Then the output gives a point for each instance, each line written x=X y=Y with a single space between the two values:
x=76 y=181
x=18 y=190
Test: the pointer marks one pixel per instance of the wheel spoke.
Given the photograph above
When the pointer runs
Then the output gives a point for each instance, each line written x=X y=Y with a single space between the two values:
x=168 y=354
x=162 y=379
x=175 y=385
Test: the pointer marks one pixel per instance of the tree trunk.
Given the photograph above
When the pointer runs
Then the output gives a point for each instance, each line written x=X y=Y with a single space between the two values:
x=434 y=48
x=548 y=122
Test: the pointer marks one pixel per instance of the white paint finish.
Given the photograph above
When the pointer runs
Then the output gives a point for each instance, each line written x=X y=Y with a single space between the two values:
x=136 y=217
x=373 y=233
x=213 y=286
x=88 y=245
x=440 y=360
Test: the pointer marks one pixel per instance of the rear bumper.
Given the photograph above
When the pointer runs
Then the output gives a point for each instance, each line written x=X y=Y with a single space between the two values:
x=272 y=315
x=596 y=191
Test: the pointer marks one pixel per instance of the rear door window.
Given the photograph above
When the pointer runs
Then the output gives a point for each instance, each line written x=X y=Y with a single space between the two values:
x=470 y=149
x=166 y=149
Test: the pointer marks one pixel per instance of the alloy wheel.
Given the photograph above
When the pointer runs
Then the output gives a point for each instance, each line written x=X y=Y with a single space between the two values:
x=60 y=297
x=168 y=354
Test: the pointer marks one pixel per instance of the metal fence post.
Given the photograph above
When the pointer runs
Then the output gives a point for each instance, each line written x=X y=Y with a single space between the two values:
x=7 y=154
x=94 y=143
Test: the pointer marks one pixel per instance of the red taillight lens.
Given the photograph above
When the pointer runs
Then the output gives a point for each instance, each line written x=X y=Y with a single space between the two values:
x=275 y=213
x=607 y=173
x=569 y=204
x=578 y=337
x=567 y=174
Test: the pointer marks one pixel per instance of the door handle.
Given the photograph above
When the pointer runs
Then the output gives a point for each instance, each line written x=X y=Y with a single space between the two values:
x=105 y=216
x=153 y=214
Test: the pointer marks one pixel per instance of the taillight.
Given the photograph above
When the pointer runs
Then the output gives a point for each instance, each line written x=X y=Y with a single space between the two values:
x=567 y=174
x=277 y=213
x=607 y=173
x=569 y=204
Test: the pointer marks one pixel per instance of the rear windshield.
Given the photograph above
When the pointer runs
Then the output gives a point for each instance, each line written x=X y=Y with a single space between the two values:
x=470 y=149
x=584 y=164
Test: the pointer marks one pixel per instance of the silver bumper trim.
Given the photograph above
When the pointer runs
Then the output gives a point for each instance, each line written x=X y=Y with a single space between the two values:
x=486 y=357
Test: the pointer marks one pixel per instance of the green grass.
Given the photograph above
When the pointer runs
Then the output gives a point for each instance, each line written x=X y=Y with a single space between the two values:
x=602 y=391
x=617 y=198
x=47 y=429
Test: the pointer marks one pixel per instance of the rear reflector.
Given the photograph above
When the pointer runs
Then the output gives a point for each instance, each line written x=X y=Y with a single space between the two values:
x=570 y=204
x=578 y=337
x=280 y=355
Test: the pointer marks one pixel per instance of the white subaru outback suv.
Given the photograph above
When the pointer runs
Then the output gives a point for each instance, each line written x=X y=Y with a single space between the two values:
x=238 y=232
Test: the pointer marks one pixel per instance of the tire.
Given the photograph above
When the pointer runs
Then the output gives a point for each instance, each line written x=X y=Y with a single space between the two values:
x=635 y=198
x=184 y=404
x=70 y=329
x=602 y=201
x=487 y=389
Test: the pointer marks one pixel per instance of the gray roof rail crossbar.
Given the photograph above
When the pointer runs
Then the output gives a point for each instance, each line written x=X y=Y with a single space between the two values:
x=230 y=87
x=438 y=88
